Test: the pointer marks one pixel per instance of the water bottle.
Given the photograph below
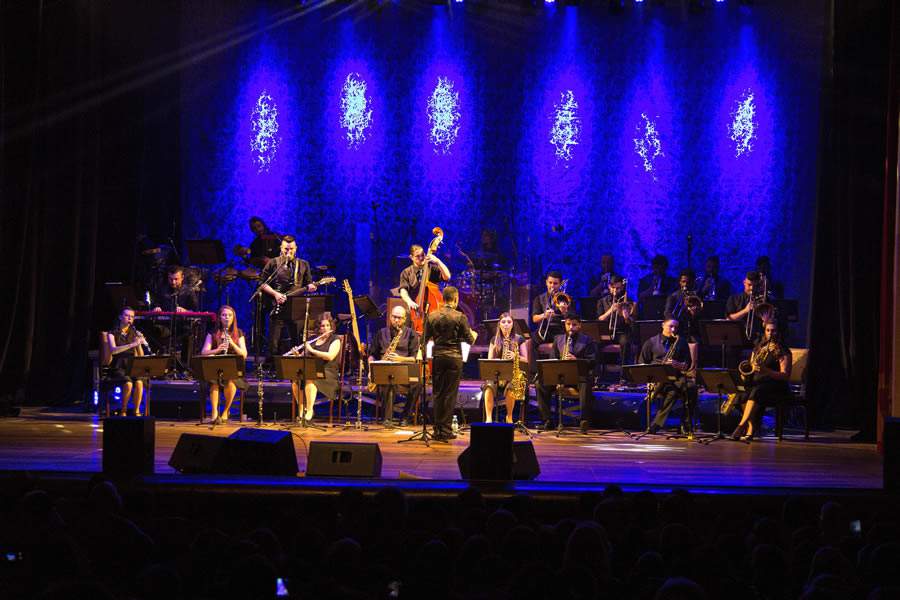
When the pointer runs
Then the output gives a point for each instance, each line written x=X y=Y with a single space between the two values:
x=455 y=425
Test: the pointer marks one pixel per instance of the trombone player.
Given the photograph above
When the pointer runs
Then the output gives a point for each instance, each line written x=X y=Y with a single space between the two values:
x=615 y=308
x=685 y=305
x=750 y=305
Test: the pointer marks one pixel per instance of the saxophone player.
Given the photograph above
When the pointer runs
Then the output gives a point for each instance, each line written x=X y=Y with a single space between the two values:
x=667 y=347
x=766 y=377
x=570 y=345
x=505 y=345
x=396 y=343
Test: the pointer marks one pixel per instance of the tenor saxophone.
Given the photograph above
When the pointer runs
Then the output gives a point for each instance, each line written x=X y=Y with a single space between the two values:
x=392 y=347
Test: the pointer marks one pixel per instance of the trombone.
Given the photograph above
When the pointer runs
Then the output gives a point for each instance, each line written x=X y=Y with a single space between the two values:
x=621 y=305
x=760 y=307
x=544 y=327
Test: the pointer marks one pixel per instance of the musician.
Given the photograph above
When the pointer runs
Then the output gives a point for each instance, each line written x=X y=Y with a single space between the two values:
x=411 y=276
x=503 y=345
x=288 y=274
x=176 y=296
x=406 y=348
x=542 y=309
x=265 y=244
x=657 y=282
x=739 y=306
x=488 y=254
x=227 y=338
x=123 y=343
x=326 y=346
x=607 y=270
x=607 y=305
x=774 y=289
x=677 y=308
x=711 y=286
x=448 y=328
x=667 y=347
x=570 y=345
x=771 y=370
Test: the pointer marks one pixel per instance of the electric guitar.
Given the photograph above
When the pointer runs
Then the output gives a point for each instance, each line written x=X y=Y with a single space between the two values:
x=296 y=290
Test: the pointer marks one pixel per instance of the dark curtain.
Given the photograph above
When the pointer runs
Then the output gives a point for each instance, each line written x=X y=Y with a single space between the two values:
x=844 y=317
x=81 y=149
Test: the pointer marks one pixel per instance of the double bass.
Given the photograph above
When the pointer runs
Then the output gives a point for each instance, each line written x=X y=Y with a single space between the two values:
x=429 y=298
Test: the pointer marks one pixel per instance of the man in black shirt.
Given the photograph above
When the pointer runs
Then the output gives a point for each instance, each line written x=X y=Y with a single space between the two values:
x=739 y=306
x=774 y=289
x=654 y=287
x=667 y=347
x=176 y=296
x=405 y=350
x=411 y=276
x=601 y=285
x=289 y=274
x=449 y=329
x=711 y=286
x=266 y=244
x=570 y=345
x=606 y=308
x=687 y=314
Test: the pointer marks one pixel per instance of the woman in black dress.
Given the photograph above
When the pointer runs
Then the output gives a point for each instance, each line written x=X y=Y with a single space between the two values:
x=770 y=364
x=124 y=342
x=503 y=345
x=226 y=339
x=326 y=346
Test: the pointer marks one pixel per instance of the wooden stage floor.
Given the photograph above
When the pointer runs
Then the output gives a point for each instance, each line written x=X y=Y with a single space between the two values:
x=44 y=440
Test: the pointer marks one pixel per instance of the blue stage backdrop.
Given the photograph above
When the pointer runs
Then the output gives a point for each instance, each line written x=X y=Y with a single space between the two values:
x=570 y=131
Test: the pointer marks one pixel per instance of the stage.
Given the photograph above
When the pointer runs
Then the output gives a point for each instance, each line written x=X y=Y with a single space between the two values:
x=57 y=443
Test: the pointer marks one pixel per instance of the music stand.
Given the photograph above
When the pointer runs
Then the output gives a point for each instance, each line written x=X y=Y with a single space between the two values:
x=121 y=295
x=205 y=252
x=644 y=330
x=653 y=308
x=563 y=373
x=656 y=374
x=366 y=307
x=498 y=369
x=219 y=368
x=599 y=331
x=724 y=333
x=713 y=309
x=148 y=367
x=724 y=381
x=391 y=374
x=301 y=369
x=301 y=307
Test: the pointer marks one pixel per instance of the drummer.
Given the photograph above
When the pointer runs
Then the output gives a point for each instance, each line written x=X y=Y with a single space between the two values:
x=264 y=246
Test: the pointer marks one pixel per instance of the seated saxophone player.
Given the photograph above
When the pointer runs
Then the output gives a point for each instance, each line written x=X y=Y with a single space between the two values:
x=619 y=312
x=505 y=345
x=684 y=305
x=667 y=347
x=397 y=343
x=571 y=345
x=765 y=376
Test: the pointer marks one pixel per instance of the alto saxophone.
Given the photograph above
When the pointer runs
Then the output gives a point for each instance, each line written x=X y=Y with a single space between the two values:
x=518 y=385
x=392 y=347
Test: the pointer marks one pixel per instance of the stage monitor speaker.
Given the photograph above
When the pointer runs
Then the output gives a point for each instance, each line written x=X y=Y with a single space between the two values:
x=252 y=451
x=891 y=439
x=493 y=456
x=129 y=444
x=343 y=459
x=195 y=453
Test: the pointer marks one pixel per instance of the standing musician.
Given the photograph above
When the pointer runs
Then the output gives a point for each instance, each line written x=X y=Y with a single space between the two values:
x=657 y=282
x=397 y=343
x=607 y=267
x=668 y=348
x=326 y=346
x=607 y=306
x=710 y=285
x=684 y=305
x=766 y=376
x=226 y=339
x=504 y=345
x=570 y=345
x=411 y=276
x=290 y=273
x=124 y=342
x=448 y=328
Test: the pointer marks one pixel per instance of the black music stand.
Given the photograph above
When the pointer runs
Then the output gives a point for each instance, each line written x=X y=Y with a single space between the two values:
x=366 y=307
x=121 y=295
x=301 y=369
x=724 y=333
x=148 y=367
x=644 y=330
x=599 y=331
x=563 y=373
x=301 y=307
x=657 y=374
x=219 y=368
x=724 y=381
x=653 y=308
x=713 y=309
x=498 y=369
x=391 y=374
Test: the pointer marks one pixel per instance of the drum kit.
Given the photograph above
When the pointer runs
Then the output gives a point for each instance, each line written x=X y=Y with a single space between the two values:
x=486 y=290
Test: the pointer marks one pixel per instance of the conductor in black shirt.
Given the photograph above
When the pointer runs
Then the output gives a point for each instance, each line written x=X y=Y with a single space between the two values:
x=448 y=329
x=570 y=345
x=668 y=348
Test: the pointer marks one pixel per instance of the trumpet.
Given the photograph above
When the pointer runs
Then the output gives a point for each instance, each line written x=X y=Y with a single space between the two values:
x=561 y=294
x=299 y=349
x=622 y=306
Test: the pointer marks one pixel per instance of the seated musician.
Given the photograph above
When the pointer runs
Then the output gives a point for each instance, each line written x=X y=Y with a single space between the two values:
x=397 y=343
x=607 y=306
x=227 y=338
x=668 y=348
x=175 y=296
x=265 y=245
x=774 y=289
x=657 y=282
x=285 y=274
x=124 y=342
x=770 y=365
x=503 y=345
x=684 y=306
x=601 y=283
x=411 y=276
x=326 y=346
x=570 y=345
x=712 y=286
x=545 y=317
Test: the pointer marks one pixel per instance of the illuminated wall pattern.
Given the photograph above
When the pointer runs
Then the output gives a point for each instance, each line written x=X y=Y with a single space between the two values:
x=264 y=122
x=455 y=130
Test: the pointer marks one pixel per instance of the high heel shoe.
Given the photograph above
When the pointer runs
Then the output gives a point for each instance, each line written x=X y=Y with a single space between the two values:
x=739 y=432
x=747 y=438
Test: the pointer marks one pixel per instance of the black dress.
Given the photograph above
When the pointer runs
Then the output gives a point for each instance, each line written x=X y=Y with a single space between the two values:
x=764 y=389
x=121 y=362
x=329 y=385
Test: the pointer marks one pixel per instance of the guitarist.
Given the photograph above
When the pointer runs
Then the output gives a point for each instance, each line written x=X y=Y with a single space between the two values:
x=411 y=276
x=290 y=275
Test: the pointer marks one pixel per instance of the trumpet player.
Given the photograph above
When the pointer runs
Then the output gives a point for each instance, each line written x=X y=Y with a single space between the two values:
x=396 y=343
x=326 y=346
x=124 y=342
x=668 y=348
x=505 y=344
x=710 y=285
x=226 y=339
x=570 y=345
x=766 y=376
x=619 y=312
